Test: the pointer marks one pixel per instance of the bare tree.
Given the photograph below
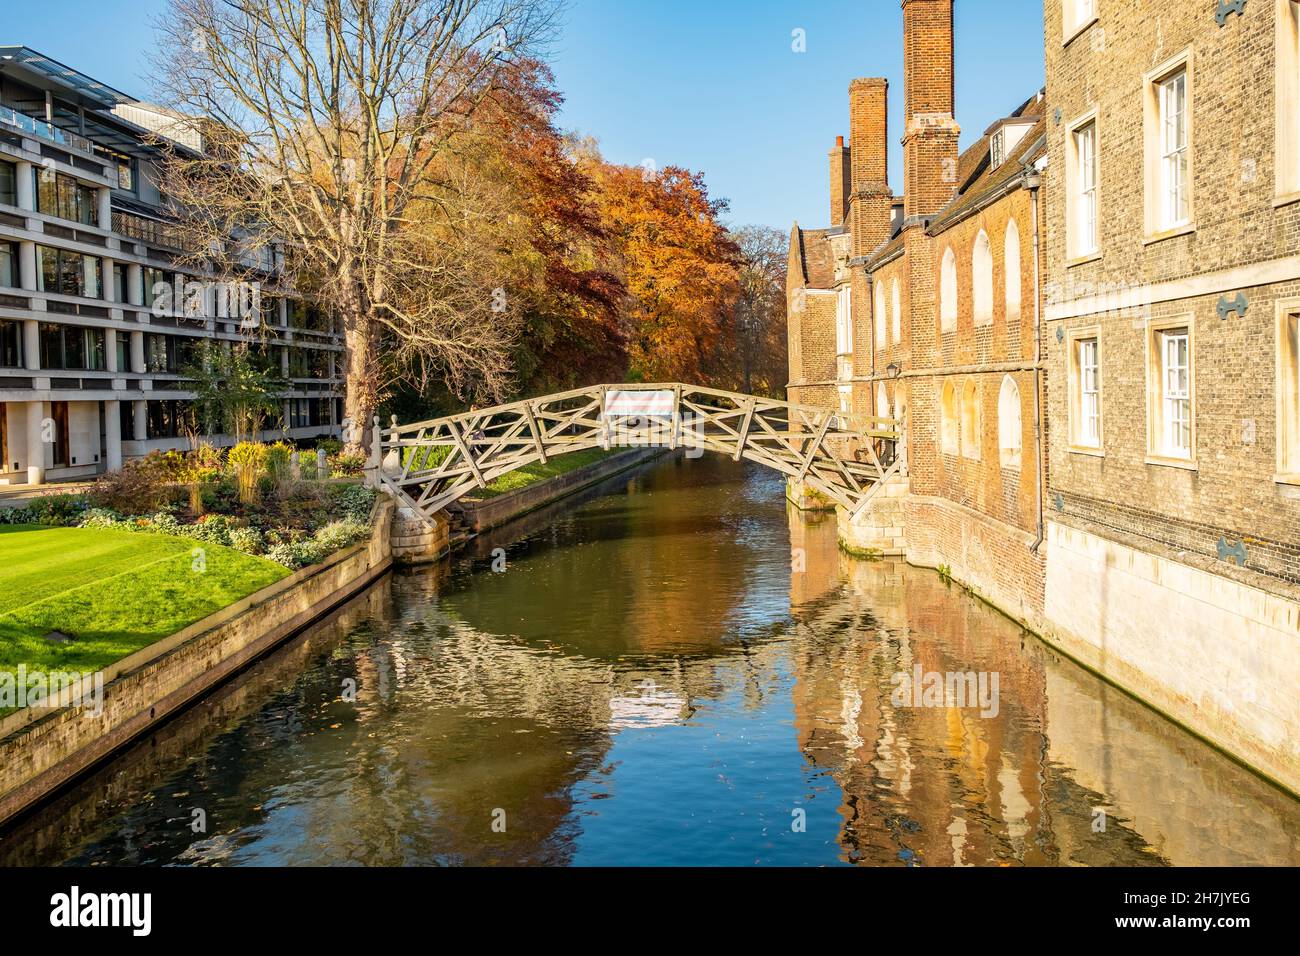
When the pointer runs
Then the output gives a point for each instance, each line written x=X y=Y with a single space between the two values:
x=326 y=124
x=759 y=310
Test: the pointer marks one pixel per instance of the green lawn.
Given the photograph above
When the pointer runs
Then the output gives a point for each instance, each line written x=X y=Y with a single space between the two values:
x=531 y=474
x=114 y=592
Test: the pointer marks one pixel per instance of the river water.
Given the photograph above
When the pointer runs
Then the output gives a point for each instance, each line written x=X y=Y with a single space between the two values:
x=675 y=669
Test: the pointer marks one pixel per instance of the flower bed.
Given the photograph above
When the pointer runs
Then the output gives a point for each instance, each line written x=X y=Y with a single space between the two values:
x=255 y=499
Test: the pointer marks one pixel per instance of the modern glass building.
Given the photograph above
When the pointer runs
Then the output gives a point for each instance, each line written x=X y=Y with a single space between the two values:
x=90 y=364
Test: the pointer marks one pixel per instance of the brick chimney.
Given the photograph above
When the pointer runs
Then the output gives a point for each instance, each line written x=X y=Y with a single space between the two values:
x=930 y=140
x=841 y=182
x=870 y=197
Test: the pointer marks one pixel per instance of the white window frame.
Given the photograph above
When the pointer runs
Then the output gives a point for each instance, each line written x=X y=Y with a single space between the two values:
x=948 y=308
x=1076 y=16
x=1083 y=188
x=981 y=264
x=896 y=306
x=844 y=331
x=1288 y=391
x=1011 y=424
x=949 y=419
x=1014 y=277
x=879 y=316
x=1086 y=411
x=1169 y=148
x=1174 y=151
x=1287 y=103
x=997 y=148
x=1171 y=392
x=971 y=417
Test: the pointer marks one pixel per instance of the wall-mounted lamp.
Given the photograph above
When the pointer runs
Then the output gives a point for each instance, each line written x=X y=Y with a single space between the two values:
x=894 y=369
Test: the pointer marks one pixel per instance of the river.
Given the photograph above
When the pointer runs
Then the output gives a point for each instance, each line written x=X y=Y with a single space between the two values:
x=674 y=669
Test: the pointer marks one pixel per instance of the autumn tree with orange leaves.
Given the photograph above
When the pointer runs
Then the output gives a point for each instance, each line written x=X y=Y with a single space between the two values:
x=678 y=263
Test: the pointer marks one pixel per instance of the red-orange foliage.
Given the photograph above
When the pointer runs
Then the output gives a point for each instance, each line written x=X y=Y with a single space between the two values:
x=679 y=265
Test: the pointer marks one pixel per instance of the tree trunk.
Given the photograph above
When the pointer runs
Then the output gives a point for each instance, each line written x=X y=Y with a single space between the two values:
x=359 y=401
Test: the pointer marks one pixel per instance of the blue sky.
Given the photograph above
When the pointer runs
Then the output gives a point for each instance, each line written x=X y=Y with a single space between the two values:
x=709 y=84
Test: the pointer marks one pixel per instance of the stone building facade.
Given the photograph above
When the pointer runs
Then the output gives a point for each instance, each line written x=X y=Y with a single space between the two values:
x=1172 y=228
x=94 y=339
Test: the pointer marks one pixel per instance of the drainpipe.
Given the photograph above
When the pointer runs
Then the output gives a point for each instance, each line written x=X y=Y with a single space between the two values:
x=1033 y=181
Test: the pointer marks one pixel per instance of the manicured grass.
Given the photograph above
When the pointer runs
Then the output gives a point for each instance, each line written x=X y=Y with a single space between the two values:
x=114 y=592
x=531 y=474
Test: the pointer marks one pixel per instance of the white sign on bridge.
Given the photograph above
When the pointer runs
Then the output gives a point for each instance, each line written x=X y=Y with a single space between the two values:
x=640 y=404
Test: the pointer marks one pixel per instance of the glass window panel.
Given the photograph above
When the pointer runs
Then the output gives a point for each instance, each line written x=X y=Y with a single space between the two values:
x=8 y=184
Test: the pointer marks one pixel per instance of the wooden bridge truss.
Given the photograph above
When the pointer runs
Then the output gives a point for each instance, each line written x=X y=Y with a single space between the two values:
x=429 y=465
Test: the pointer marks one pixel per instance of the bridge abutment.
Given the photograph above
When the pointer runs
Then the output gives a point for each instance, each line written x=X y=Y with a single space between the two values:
x=880 y=530
x=415 y=540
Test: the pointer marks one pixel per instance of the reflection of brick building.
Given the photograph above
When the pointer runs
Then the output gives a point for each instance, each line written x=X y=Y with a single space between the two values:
x=925 y=307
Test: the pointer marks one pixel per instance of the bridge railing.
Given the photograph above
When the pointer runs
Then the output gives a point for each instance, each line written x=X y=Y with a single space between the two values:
x=431 y=463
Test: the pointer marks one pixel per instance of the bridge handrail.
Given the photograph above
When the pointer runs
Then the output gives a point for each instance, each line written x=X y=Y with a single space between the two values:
x=890 y=428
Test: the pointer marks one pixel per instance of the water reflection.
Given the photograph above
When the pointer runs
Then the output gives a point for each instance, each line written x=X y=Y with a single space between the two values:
x=649 y=683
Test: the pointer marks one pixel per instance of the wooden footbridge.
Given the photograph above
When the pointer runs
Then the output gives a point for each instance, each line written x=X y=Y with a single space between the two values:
x=428 y=465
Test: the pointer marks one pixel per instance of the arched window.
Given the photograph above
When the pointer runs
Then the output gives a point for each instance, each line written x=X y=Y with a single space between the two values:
x=882 y=401
x=878 y=320
x=1009 y=436
x=898 y=312
x=1011 y=257
x=982 y=279
x=948 y=292
x=971 y=433
x=948 y=421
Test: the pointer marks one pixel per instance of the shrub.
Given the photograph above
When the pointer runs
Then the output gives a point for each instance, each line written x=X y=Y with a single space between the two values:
x=18 y=516
x=278 y=460
x=248 y=459
x=247 y=540
x=212 y=529
x=58 y=509
x=332 y=446
x=347 y=466
x=354 y=502
x=101 y=518
x=141 y=486
x=338 y=535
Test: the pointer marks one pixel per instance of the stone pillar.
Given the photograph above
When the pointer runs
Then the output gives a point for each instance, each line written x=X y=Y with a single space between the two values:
x=27 y=265
x=25 y=186
x=105 y=207
x=135 y=284
x=32 y=345
x=113 y=436
x=35 y=443
x=140 y=422
x=109 y=287
x=137 y=352
x=110 y=350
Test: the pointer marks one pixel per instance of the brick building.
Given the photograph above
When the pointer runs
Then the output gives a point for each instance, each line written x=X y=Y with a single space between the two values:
x=924 y=308
x=1108 y=446
x=1172 y=227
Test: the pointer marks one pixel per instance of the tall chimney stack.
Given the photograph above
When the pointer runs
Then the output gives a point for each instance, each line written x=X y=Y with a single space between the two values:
x=930 y=140
x=869 y=198
x=841 y=182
